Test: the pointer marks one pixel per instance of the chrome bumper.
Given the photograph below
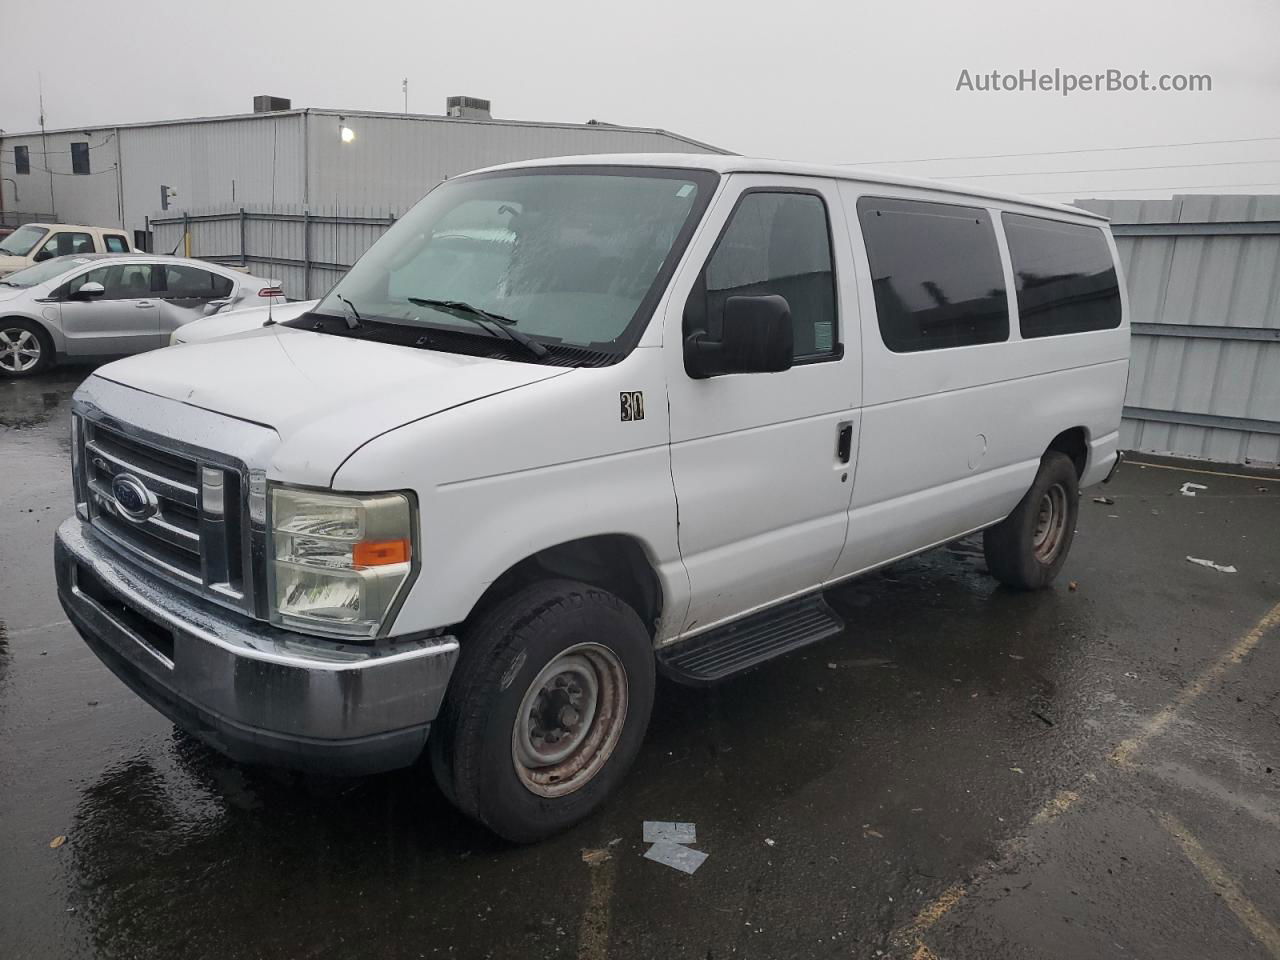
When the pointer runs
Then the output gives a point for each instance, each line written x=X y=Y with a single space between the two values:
x=254 y=692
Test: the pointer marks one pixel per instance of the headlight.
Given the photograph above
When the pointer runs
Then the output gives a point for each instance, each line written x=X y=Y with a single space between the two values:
x=338 y=562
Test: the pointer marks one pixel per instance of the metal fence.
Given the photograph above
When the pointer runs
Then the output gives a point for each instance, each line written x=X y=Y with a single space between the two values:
x=1203 y=275
x=307 y=250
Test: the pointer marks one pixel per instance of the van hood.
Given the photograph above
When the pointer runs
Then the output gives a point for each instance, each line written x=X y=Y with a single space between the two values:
x=324 y=395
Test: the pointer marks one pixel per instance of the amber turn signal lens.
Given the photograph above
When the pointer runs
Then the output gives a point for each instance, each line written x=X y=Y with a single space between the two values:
x=377 y=553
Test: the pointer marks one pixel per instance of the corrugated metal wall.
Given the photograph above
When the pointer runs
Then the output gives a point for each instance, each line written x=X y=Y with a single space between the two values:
x=220 y=162
x=393 y=160
x=1203 y=274
x=91 y=198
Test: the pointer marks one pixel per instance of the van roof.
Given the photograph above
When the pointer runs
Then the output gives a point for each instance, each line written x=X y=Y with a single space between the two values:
x=736 y=164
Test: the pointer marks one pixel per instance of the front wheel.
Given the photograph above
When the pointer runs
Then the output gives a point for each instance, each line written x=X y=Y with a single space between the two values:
x=25 y=349
x=1028 y=548
x=546 y=709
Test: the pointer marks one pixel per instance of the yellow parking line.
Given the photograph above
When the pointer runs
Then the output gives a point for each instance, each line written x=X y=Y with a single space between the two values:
x=1263 y=930
x=1124 y=753
x=593 y=929
x=1060 y=804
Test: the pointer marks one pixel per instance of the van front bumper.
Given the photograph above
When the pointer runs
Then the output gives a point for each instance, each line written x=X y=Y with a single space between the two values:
x=251 y=691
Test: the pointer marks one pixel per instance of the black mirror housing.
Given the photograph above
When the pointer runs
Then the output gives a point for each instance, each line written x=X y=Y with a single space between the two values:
x=757 y=337
x=42 y=256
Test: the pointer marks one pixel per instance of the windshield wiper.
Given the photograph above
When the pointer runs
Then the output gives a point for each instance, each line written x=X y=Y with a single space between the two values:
x=354 y=319
x=483 y=318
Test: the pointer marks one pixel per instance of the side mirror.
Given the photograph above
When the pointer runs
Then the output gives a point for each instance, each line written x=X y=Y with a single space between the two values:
x=756 y=337
x=89 y=290
x=42 y=256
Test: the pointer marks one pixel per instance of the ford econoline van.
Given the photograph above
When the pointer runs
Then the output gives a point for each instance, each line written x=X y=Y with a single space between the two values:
x=572 y=423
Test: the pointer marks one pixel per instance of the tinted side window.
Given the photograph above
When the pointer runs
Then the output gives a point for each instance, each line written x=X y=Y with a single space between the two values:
x=80 y=157
x=1066 y=280
x=936 y=274
x=775 y=243
x=21 y=160
x=64 y=244
x=121 y=281
x=115 y=243
x=189 y=283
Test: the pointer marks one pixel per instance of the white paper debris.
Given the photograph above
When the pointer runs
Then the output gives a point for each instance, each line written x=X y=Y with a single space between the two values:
x=1189 y=489
x=682 y=858
x=1216 y=566
x=769 y=841
x=657 y=830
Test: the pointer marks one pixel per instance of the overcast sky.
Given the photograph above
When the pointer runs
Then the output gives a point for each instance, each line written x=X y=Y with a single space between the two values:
x=841 y=81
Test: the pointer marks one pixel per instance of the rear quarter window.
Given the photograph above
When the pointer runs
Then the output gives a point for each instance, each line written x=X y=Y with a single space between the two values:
x=1065 y=278
x=935 y=273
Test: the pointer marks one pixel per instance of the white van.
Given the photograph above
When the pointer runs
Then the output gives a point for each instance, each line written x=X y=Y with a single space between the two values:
x=572 y=422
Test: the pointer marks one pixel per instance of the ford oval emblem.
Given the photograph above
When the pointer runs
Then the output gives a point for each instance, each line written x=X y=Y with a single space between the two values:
x=133 y=500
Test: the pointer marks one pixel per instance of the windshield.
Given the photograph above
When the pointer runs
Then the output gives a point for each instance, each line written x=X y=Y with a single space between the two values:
x=573 y=256
x=20 y=242
x=43 y=271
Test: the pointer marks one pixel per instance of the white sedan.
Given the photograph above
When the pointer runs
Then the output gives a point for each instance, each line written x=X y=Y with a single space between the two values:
x=91 y=307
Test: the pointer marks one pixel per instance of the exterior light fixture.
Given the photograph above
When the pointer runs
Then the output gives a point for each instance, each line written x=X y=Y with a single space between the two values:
x=345 y=133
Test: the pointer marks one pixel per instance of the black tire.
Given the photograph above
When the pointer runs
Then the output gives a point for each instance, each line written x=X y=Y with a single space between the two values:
x=12 y=330
x=473 y=743
x=1028 y=548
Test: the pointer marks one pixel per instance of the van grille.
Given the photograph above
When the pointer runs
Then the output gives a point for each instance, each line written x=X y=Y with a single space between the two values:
x=189 y=527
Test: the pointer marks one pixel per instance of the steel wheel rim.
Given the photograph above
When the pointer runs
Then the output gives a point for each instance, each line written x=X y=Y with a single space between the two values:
x=570 y=720
x=1051 y=524
x=19 y=349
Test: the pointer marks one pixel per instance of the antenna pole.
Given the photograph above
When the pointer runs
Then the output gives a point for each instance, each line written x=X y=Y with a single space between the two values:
x=404 y=85
x=44 y=145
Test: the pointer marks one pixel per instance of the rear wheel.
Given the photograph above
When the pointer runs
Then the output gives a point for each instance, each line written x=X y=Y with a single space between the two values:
x=1028 y=548
x=25 y=349
x=546 y=709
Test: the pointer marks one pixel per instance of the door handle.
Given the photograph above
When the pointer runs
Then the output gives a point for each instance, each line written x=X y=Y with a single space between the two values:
x=844 y=442
x=144 y=305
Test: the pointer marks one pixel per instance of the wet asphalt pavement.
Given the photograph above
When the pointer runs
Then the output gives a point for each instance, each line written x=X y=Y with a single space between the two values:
x=967 y=772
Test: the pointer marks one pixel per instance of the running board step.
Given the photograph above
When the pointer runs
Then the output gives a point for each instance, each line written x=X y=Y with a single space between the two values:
x=751 y=641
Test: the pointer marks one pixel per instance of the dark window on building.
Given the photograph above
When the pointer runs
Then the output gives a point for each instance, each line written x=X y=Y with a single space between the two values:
x=775 y=243
x=1064 y=275
x=115 y=243
x=21 y=160
x=182 y=282
x=936 y=274
x=80 y=158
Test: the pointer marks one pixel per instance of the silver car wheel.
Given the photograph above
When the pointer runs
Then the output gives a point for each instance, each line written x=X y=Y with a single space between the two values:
x=570 y=720
x=20 y=350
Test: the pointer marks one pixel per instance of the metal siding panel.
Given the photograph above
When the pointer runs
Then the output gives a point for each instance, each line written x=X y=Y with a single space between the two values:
x=393 y=161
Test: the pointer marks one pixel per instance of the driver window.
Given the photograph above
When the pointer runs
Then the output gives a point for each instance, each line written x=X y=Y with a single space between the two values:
x=775 y=243
x=66 y=244
x=129 y=281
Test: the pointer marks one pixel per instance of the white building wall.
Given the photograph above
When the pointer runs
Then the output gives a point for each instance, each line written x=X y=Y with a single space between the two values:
x=251 y=161
x=394 y=160
x=91 y=198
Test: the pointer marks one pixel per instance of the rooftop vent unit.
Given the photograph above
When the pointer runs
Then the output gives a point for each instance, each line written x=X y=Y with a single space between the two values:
x=266 y=104
x=468 y=108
